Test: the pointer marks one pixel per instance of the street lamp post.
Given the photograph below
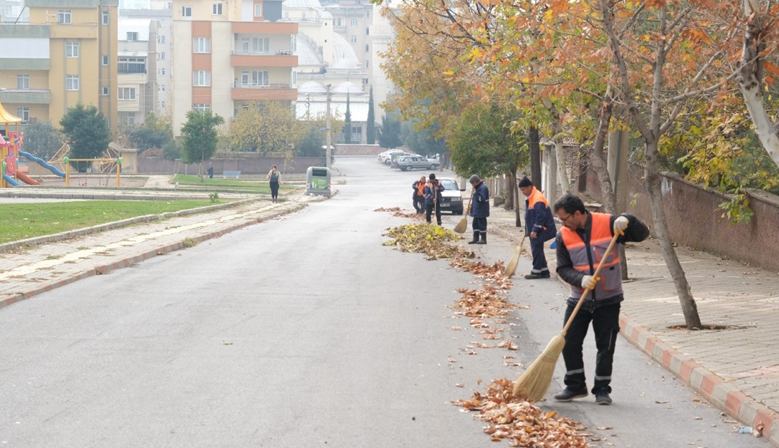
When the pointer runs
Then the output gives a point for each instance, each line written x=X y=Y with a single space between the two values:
x=328 y=139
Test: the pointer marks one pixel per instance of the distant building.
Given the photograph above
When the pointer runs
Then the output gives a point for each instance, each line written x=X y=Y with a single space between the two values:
x=64 y=55
x=228 y=54
x=137 y=72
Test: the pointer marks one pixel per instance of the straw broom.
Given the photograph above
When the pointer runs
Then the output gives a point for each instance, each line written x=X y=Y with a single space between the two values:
x=463 y=224
x=535 y=380
x=511 y=267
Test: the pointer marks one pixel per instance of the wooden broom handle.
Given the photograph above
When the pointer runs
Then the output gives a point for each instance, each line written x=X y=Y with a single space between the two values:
x=586 y=290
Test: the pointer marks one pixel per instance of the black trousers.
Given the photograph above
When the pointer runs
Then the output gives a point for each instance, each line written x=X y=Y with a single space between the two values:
x=480 y=225
x=605 y=324
x=429 y=209
x=274 y=190
x=419 y=204
x=539 y=259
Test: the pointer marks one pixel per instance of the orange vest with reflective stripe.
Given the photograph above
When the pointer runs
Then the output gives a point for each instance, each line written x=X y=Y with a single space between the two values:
x=535 y=197
x=610 y=283
x=421 y=189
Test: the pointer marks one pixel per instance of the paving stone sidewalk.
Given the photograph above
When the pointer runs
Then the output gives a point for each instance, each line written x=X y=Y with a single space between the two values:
x=31 y=270
x=737 y=368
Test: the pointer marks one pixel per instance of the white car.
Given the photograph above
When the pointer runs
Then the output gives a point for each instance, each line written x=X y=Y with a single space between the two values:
x=452 y=197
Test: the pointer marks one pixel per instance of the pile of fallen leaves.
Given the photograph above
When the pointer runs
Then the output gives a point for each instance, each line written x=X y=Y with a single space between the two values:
x=520 y=422
x=483 y=303
x=428 y=239
x=397 y=211
x=495 y=273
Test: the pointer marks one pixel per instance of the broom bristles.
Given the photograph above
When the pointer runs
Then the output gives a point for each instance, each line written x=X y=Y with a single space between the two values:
x=461 y=226
x=511 y=267
x=535 y=380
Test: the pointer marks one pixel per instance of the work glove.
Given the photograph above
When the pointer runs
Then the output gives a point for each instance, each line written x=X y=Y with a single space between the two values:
x=468 y=210
x=589 y=281
x=620 y=224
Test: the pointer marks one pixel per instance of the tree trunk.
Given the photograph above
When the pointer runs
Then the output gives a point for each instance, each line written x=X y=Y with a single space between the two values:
x=559 y=150
x=750 y=77
x=597 y=158
x=653 y=181
x=534 y=141
x=508 y=199
x=514 y=189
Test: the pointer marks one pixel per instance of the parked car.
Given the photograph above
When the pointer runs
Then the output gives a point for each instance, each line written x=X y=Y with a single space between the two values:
x=386 y=156
x=393 y=160
x=452 y=196
x=406 y=163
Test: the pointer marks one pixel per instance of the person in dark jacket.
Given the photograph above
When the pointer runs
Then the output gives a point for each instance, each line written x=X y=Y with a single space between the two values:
x=419 y=195
x=539 y=225
x=581 y=244
x=433 y=198
x=480 y=210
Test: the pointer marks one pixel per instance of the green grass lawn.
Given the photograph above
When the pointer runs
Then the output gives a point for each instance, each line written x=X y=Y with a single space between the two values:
x=20 y=221
x=250 y=185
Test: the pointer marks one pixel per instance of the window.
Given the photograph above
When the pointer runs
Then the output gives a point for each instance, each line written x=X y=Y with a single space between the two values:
x=126 y=93
x=132 y=36
x=161 y=56
x=337 y=22
x=71 y=49
x=260 y=44
x=72 y=82
x=366 y=64
x=162 y=72
x=63 y=17
x=354 y=22
x=23 y=113
x=201 y=107
x=201 y=45
x=23 y=82
x=131 y=119
x=258 y=10
x=201 y=78
x=186 y=11
x=368 y=14
x=160 y=39
x=132 y=65
x=245 y=45
x=106 y=17
x=294 y=42
x=357 y=130
x=354 y=39
x=367 y=48
x=160 y=88
x=216 y=9
x=104 y=60
x=367 y=31
x=260 y=78
x=104 y=91
x=244 y=78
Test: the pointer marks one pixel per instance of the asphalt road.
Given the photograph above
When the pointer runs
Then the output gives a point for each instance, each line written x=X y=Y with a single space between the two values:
x=300 y=332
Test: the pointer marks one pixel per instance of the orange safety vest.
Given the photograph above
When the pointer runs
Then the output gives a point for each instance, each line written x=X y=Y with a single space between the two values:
x=610 y=283
x=421 y=189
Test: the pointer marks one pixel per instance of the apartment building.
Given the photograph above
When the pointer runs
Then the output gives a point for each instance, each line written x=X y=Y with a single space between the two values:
x=161 y=13
x=137 y=71
x=66 y=54
x=227 y=54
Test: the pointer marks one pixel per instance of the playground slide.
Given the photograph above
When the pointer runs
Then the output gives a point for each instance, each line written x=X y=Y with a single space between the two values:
x=10 y=180
x=26 y=179
x=42 y=163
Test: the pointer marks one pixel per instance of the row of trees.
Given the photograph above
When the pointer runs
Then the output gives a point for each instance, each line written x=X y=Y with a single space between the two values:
x=490 y=77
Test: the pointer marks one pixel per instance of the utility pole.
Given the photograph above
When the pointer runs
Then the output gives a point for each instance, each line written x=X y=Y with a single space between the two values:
x=328 y=139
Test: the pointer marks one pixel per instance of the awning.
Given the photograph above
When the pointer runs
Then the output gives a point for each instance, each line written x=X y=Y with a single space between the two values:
x=6 y=117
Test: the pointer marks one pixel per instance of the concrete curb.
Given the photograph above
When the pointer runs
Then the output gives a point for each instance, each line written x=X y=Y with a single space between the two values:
x=129 y=261
x=116 y=225
x=712 y=387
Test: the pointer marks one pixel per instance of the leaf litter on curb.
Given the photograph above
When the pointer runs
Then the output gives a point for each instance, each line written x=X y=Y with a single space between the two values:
x=397 y=211
x=428 y=239
x=520 y=422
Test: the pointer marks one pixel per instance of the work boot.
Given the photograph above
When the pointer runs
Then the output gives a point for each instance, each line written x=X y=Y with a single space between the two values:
x=483 y=238
x=602 y=397
x=570 y=395
x=536 y=276
x=475 y=239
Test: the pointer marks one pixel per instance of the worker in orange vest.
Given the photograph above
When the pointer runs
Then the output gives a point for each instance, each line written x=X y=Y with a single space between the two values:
x=581 y=245
x=419 y=195
x=539 y=225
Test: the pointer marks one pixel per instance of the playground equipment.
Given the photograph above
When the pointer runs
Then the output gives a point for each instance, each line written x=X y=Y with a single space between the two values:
x=113 y=162
x=10 y=142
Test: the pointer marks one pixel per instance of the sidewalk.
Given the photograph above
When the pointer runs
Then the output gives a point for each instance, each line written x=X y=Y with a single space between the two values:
x=33 y=269
x=737 y=368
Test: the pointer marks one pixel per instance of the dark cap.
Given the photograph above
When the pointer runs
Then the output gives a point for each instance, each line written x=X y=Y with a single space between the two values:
x=474 y=179
x=525 y=182
x=432 y=176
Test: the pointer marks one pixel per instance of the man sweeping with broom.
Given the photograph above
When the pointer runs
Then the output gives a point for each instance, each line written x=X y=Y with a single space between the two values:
x=582 y=243
x=480 y=211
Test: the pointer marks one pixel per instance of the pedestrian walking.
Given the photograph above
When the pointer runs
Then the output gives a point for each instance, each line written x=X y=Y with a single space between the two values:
x=418 y=196
x=274 y=180
x=539 y=226
x=480 y=211
x=581 y=243
x=433 y=197
x=210 y=171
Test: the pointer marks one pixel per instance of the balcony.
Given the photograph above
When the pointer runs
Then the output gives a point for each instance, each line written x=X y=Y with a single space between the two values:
x=252 y=92
x=281 y=58
x=25 y=96
x=265 y=28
